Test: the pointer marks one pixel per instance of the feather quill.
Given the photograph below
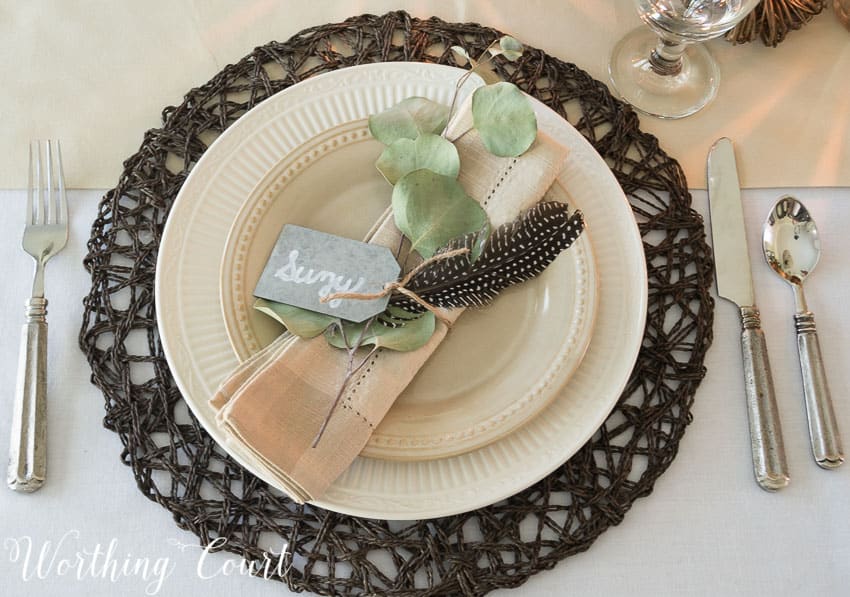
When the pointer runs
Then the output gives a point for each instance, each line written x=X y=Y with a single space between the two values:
x=514 y=253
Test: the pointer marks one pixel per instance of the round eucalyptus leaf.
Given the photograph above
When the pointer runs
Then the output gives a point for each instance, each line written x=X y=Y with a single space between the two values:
x=511 y=55
x=408 y=119
x=461 y=56
x=301 y=322
x=428 y=151
x=431 y=209
x=410 y=336
x=504 y=118
x=510 y=47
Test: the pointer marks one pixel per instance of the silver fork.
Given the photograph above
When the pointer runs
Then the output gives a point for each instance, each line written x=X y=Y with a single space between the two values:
x=46 y=234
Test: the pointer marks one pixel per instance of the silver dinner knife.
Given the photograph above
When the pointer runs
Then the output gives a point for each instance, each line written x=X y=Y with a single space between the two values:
x=735 y=283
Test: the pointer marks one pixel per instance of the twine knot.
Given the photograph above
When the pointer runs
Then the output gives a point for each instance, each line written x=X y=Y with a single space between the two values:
x=400 y=286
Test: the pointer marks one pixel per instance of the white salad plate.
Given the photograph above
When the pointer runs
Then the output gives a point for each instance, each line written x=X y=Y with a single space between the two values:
x=246 y=163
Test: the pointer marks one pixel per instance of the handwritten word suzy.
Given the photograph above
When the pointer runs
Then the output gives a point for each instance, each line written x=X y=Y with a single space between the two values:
x=292 y=272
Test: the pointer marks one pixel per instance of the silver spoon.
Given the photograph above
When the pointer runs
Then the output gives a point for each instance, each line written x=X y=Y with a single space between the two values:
x=792 y=248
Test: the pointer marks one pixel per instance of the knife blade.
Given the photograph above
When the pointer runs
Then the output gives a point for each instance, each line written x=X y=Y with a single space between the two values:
x=735 y=283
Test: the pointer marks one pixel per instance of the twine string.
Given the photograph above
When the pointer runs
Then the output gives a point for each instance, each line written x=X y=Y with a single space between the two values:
x=401 y=287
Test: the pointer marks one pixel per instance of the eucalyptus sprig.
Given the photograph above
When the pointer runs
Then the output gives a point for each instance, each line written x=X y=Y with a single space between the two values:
x=505 y=46
x=430 y=206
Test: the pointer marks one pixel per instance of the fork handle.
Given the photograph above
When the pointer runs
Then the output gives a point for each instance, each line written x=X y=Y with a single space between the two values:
x=28 y=449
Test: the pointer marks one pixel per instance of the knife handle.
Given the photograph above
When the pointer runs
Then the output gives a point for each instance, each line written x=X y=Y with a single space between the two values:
x=823 y=427
x=769 y=465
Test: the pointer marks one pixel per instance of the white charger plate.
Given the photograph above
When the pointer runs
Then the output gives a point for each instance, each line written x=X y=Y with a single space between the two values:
x=198 y=349
x=499 y=366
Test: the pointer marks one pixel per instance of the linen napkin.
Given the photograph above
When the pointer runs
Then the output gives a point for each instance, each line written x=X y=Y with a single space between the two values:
x=273 y=404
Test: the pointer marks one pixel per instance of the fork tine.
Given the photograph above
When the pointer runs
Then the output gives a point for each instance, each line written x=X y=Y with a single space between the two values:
x=49 y=207
x=63 y=200
x=39 y=186
x=30 y=190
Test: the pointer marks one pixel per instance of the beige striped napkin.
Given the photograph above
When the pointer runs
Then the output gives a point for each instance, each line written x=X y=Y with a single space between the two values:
x=273 y=404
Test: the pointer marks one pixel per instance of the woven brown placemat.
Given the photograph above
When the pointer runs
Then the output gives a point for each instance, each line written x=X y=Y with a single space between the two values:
x=176 y=463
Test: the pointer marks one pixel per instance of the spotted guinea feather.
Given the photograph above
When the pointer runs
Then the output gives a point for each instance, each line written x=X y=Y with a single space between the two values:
x=514 y=253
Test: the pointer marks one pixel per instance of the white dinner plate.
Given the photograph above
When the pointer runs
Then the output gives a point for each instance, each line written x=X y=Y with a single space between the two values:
x=198 y=350
x=499 y=367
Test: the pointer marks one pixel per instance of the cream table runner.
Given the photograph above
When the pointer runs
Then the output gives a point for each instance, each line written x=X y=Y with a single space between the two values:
x=97 y=74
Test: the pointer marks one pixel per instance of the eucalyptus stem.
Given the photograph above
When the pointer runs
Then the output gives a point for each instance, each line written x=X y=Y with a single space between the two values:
x=339 y=394
x=404 y=269
x=365 y=360
x=483 y=60
x=350 y=371
x=399 y=248
x=458 y=86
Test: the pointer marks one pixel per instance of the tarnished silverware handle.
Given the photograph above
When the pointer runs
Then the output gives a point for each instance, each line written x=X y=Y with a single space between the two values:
x=769 y=464
x=28 y=448
x=823 y=427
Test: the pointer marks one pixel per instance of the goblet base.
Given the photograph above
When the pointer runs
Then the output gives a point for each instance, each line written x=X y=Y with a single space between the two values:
x=664 y=95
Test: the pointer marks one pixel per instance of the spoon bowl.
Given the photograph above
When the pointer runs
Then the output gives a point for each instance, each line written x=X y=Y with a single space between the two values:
x=792 y=248
x=791 y=242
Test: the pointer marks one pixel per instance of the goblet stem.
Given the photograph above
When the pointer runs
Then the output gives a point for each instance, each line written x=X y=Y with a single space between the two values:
x=666 y=58
x=663 y=74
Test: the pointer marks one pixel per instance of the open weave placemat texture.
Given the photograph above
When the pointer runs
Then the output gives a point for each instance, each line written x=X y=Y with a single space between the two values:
x=176 y=463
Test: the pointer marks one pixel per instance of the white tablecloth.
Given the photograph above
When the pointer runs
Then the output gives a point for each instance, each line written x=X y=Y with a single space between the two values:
x=96 y=74
x=706 y=530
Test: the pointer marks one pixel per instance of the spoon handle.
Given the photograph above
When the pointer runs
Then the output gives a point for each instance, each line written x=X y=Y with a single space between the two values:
x=823 y=428
x=769 y=464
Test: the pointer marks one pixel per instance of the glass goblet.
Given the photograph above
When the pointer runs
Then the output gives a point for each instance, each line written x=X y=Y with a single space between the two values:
x=664 y=71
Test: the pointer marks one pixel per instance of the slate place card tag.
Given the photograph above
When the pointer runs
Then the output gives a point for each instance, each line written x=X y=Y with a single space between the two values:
x=306 y=265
